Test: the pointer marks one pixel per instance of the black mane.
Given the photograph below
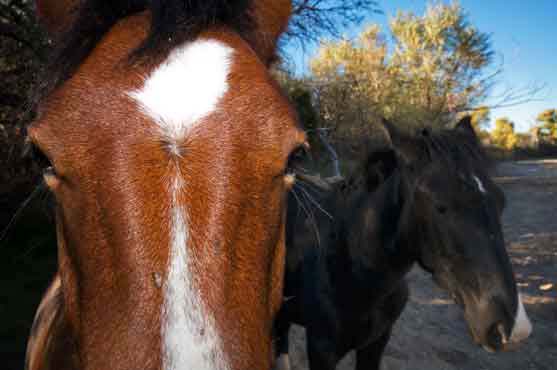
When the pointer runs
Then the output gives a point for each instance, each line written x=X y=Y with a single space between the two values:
x=172 y=23
x=453 y=148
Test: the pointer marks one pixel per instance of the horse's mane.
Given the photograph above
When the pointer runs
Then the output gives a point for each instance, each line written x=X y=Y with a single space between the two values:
x=454 y=148
x=371 y=169
x=172 y=23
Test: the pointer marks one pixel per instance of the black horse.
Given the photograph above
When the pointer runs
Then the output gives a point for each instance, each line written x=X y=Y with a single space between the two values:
x=428 y=199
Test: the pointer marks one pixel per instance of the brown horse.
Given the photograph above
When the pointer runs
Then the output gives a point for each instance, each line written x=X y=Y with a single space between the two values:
x=168 y=142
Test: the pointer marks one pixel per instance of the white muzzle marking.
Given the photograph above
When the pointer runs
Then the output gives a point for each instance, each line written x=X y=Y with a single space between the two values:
x=522 y=326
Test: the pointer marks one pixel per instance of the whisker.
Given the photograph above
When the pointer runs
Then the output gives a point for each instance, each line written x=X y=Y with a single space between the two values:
x=38 y=190
x=309 y=186
x=315 y=202
x=312 y=219
x=309 y=215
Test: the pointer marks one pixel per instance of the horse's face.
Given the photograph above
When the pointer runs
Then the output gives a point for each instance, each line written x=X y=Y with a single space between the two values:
x=460 y=212
x=170 y=188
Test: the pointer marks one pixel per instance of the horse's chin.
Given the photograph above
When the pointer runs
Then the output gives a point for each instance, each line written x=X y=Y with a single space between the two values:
x=477 y=337
x=488 y=349
x=493 y=340
x=487 y=345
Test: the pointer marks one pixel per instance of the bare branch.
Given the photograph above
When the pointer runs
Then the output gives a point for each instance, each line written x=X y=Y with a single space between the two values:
x=512 y=97
x=314 y=19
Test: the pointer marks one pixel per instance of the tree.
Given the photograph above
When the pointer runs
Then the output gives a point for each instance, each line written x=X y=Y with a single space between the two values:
x=314 y=19
x=22 y=52
x=480 y=118
x=503 y=134
x=301 y=97
x=442 y=58
x=435 y=67
x=350 y=79
x=18 y=23
x=548 y=124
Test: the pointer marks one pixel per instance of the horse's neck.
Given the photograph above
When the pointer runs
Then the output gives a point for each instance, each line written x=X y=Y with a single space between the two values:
x=412 y=238
x=368 y=267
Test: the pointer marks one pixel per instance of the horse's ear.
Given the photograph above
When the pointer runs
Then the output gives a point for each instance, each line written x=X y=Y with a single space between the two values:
x=465 y=126
x=380 y=165
x=271 y=18
x=425 y=132
x=392 y=133
x=403 y=144
x=57 y=15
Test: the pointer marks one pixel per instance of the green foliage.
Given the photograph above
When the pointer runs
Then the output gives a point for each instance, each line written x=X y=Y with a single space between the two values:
x=433 y=68
x=548 y=115
x=480 y=118
x=300 y=95
x=503 y=134
x=548 y=121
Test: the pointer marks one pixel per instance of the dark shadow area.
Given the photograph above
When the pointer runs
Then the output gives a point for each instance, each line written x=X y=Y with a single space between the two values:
x=27 y=264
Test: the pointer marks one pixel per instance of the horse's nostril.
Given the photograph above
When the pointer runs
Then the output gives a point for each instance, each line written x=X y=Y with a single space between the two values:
x=458 y=299
x=501 y=330
x=496 y=337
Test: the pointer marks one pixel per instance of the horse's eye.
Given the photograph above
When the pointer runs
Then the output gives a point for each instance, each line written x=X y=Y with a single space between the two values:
x=35 y=154
x=441 y=208
x=297 y=157
x=49 y=172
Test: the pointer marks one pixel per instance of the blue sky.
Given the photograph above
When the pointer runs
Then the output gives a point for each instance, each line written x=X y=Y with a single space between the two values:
x=524 y=35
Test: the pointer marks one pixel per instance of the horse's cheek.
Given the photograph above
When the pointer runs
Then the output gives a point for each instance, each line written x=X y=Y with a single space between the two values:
x=277 y=276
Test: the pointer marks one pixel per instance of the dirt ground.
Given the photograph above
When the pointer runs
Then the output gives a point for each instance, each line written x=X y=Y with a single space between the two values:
x=432 y=334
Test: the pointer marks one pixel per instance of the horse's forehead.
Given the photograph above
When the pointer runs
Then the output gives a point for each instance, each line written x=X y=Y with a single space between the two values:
x=208 y=82
x=446 y=178
x=216 y=74
x=188 y=86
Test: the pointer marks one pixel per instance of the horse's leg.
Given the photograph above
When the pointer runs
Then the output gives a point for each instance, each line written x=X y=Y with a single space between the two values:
x=322 y=353
x=369 y=357
x=50 y=345
x=282 y=326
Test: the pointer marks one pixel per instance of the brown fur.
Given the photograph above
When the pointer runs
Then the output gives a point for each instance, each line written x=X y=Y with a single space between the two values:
x=49 y=337
x=113 y=209
x=272 y=18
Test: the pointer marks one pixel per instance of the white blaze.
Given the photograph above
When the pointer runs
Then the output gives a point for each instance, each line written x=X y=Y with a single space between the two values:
x=480 y=184
x=522 y=326
x=184 y=89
